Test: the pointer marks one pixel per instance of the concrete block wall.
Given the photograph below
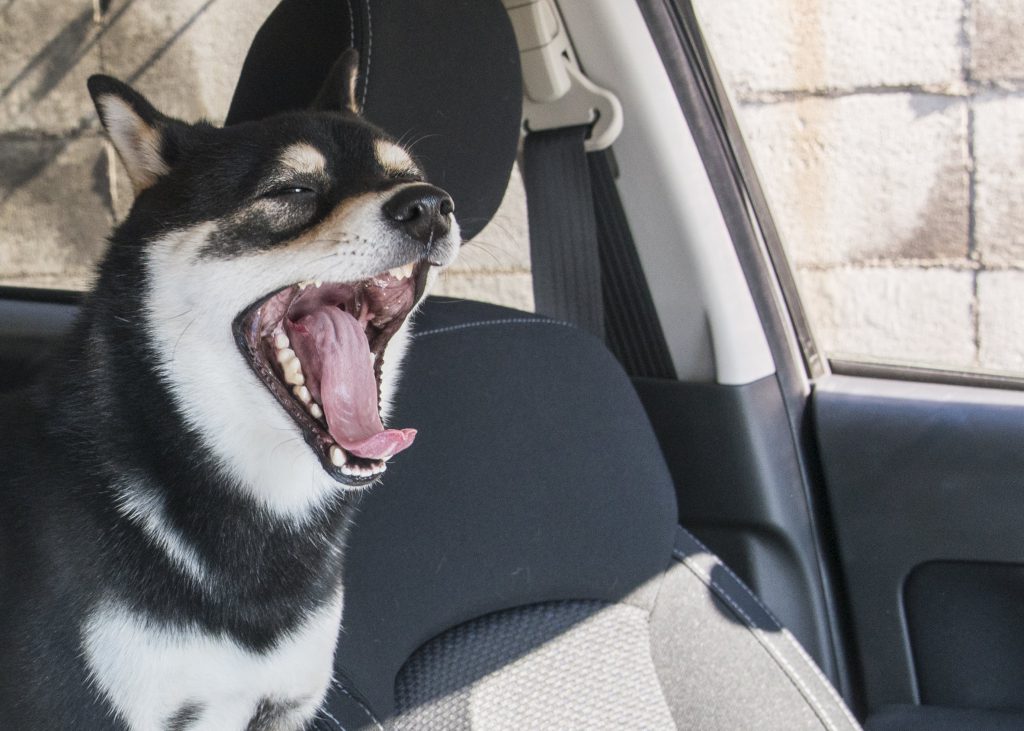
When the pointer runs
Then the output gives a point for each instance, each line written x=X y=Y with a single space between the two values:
x=889 y=137
x=61 y=185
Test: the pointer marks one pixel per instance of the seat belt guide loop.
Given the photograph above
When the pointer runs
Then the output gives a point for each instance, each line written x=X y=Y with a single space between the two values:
x=557 y=92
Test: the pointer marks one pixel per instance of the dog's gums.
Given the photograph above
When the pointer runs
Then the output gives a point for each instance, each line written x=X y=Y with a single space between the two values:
x=319 y=348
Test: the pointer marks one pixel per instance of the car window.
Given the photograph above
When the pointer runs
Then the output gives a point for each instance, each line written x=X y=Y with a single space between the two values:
x=61 y=185
x=888 y=137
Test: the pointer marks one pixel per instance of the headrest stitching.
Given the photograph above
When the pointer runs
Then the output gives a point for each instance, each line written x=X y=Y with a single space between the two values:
x=351 y=25
x=487 y=323
x=369 y=54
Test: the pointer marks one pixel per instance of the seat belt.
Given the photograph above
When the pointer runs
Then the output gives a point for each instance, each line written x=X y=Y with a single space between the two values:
x=586 y=270
x=564 y=256
x=632 y=328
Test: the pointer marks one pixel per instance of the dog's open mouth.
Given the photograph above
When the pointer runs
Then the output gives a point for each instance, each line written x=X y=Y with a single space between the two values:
x=319 y=348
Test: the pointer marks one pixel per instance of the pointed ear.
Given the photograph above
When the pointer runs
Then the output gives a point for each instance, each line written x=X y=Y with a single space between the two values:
x=136 y=129
x=339 y=90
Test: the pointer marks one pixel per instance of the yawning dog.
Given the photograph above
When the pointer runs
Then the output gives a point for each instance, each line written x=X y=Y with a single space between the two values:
x=177 y=487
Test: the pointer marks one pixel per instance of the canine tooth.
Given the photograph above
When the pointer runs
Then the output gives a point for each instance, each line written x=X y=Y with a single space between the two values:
x=402 y=272
x=281 y=341
x=337 y=456
x=285 y=355
x=302 y=394
x=315 y=411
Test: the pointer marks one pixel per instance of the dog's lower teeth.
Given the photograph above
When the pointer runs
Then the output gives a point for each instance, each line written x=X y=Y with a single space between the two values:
x=315 y=411
x=281 y=341
x=285 y=355
x=337 y=456
x=302 y=394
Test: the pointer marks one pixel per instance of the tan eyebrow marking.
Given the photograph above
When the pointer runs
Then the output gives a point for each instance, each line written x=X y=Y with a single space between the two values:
x=303 y=158
x=393 y=158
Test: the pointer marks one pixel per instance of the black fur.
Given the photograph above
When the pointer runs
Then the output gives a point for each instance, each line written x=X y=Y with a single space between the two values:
x=184 y=717
x=101 y=413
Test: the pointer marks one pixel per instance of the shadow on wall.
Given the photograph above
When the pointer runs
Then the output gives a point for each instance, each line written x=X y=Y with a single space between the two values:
x=55 y=60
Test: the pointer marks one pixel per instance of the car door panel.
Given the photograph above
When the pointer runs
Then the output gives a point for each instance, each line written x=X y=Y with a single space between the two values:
x=925 y=483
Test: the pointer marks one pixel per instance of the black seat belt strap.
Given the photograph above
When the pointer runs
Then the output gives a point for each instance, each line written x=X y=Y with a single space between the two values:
x=632 y=328
x=563 y=231
x=586 y=269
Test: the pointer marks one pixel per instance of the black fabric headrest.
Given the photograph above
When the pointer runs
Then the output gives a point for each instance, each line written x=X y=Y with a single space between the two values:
x=441 y=75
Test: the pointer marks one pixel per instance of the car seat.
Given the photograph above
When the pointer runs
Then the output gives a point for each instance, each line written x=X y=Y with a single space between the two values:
x=521 y=566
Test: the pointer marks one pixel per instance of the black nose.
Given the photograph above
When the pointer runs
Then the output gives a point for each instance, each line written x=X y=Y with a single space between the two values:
x=422 y=210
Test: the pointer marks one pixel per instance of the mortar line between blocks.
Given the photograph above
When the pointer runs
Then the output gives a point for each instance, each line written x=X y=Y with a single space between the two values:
x=967 y=60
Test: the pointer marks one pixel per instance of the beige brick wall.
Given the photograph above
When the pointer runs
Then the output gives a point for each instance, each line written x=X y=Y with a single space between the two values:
x=61 y=187
x=889 y=136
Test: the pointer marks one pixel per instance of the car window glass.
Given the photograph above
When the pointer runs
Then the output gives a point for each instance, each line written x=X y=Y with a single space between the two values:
x=888 y=138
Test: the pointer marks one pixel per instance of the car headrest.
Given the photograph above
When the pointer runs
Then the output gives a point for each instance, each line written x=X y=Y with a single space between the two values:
x=441 y=75
x=535 y=477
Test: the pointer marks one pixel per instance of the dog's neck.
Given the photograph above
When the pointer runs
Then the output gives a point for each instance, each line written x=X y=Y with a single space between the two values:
x=169 y=496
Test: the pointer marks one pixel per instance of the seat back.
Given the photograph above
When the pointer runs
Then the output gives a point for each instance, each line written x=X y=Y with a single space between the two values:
x=535 y=477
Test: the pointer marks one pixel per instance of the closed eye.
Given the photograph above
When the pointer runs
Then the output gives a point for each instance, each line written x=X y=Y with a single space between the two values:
x=289 y=191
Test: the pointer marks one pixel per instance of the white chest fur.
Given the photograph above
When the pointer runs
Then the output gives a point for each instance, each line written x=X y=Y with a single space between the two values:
x=149 y=672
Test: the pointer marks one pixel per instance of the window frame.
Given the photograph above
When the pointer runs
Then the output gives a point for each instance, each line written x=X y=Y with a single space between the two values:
x=705 y=102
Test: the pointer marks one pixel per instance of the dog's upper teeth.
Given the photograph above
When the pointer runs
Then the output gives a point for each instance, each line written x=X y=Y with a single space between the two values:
x=402 y=272
x=293 y=373
x=285 y=354
x=315 y=411
x=281 y=341
x=302 y=394
x=291 y=366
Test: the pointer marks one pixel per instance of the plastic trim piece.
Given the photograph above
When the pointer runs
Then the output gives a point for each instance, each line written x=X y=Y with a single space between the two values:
x=681 y=237
x=935 y=376
x=557 y=92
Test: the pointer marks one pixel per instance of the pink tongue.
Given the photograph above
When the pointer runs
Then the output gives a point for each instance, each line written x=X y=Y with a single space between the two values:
x=348 y=387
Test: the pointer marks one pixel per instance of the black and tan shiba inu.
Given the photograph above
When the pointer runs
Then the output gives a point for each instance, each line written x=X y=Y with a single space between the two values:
x=176 y=488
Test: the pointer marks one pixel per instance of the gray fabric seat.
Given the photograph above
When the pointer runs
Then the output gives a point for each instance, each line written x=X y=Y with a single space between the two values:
x=684 y=651
x=522 y=567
